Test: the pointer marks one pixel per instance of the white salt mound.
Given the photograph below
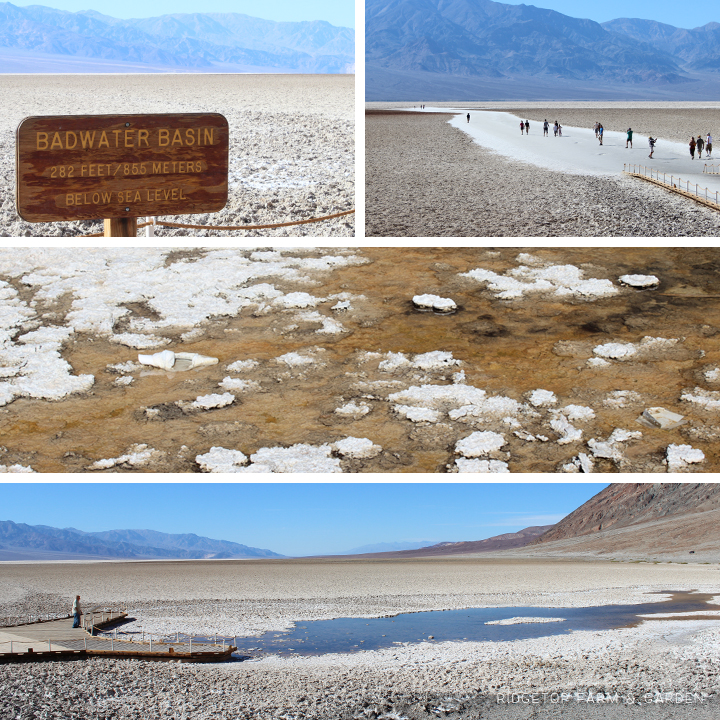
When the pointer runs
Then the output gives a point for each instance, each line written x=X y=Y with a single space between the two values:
x=214 y=400
x=542 y=398
x=434 y=302
x=708 y=399
x=417 y=414
x=435 y=360
x=299 y=458
x=357 y=448
x=639 y=280
x=680 y=456
x=221 y=460
x=353 y=410
x=479 y=443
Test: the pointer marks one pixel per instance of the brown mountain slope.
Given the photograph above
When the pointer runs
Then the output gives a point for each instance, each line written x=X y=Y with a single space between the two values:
x=507 y=541
x=622 y=505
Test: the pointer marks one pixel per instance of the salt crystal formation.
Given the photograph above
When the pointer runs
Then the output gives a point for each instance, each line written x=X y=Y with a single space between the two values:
x=479 y=444
x=559 y=280
x=640 y=281
x=353 y=447
x=542 y=398
x=434 y=302
x=680 y=456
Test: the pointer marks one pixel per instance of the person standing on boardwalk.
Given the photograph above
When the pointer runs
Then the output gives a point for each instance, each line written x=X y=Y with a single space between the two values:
x=77 y=612
x=692 y=148
x=468 y=117
x=522 y=127
x=629 y=138
x=527 y=127
x=700 y=144
x=601 y=130
x=546 y=126
x=708 y=145
x=652 y=142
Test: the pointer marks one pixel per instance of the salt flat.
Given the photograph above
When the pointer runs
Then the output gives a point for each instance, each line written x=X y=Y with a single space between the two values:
x=292 y=145
x=578 y=151
x=409 y=681
x=427 y=176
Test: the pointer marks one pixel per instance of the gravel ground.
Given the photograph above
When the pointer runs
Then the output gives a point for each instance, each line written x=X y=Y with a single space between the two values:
x=291 y=143
x=425 y=178
x=426 y=680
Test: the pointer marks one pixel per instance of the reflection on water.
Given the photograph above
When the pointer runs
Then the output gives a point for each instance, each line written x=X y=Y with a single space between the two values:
x=506 y=347
x=342 y=635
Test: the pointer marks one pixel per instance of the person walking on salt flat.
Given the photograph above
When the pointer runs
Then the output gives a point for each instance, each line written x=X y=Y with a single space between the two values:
x=652 y=141
x=601 y=130
x=546 y=126
x=708 y=145
x=559 y=129
x=77 y=612
x=468 y=117
x=629 y=138
x=555 y=128
x=527 y=127
x=597 y=128
x=522 y=127
x=692 y=148
x=700 y=144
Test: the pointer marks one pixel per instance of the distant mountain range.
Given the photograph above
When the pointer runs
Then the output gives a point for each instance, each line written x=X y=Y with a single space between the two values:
x=387 y=547
x=491 y=50
x=19 y=541
x=196 y=42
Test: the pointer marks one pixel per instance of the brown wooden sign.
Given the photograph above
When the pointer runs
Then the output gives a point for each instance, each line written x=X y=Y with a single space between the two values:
x=113 y=166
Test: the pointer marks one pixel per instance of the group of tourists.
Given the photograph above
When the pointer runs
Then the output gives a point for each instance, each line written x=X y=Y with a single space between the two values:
x=699 y=144
x=557 y=128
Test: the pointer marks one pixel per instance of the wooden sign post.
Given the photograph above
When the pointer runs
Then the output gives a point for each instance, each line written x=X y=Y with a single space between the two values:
x=121 y=167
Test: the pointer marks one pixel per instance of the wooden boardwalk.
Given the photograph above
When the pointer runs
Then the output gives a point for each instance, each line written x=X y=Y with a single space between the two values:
x=58 y=640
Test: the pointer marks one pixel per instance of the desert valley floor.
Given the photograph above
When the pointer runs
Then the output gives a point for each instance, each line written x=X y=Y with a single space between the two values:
x=647 y=667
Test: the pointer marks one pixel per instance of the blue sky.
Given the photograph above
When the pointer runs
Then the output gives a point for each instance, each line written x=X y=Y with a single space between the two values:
x=299 y=519
x=666 y=11
x=337 y=12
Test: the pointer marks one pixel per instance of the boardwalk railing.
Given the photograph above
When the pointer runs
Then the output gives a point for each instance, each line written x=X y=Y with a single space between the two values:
x=100 y=618
x=675 y=184
x=712 y=171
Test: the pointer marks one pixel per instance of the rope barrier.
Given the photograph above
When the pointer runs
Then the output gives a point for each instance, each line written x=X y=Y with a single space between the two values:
x=235 y=227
